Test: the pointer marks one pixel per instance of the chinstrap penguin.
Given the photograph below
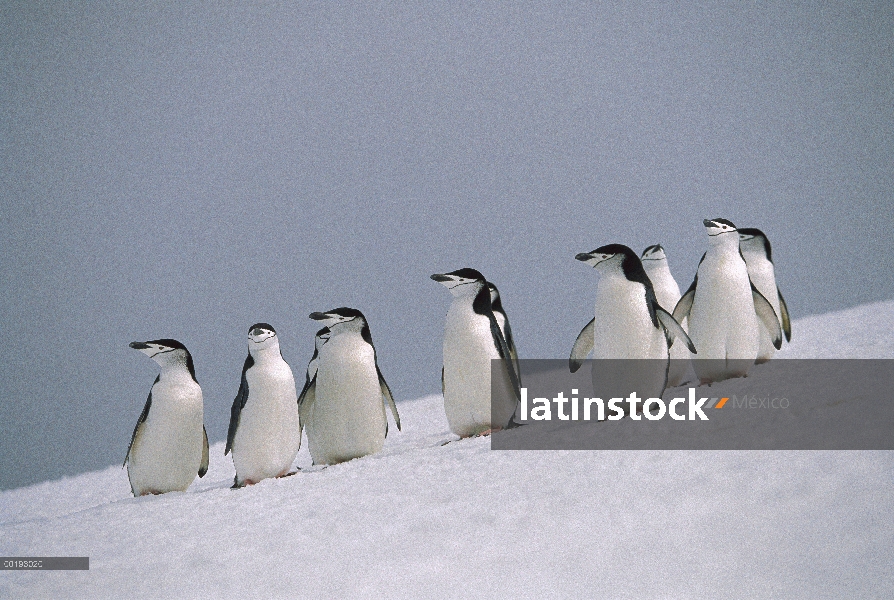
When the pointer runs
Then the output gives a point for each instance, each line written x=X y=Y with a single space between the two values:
x=472 y=338
x=169 y=445
x=668 y=294
x=308 y=392
x=628 y=323
x=347 y=419
x=759 y=259
x=265 y=430
x=723 y=307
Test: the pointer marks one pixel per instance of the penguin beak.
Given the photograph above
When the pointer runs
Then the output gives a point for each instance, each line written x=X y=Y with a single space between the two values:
x=593 y=258
x=330 y=319
x=449 y=281
x=720 y=227
x=150 y=350
x=258 y=335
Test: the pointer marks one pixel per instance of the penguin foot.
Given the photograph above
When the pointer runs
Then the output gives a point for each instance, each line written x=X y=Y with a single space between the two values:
x=236 y=484
x=288 y=474
x=487 y=432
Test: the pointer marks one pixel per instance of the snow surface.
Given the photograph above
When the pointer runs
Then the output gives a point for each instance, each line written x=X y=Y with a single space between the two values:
x=422 y=519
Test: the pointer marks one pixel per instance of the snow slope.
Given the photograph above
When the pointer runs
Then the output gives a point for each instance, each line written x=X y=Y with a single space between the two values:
x=421 y=519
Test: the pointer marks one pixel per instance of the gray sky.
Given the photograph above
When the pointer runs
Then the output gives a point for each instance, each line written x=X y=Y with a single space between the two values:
x=187 y=170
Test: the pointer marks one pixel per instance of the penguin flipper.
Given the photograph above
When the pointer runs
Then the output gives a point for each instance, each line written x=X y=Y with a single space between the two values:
x=442 y=381
x=308 y=382
x=513 y=353
x=389 y=399
x=786 y=320
x=583 y=345
x=503 y=349
x=684 y=305
x=238 y=405
x=674 y=329
x=203 y=468
x=306 y=402
x=140 y=421
x=767 y=315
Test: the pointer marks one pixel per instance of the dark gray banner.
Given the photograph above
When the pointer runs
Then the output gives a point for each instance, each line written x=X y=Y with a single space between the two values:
x=623 y=405
x=45 y=563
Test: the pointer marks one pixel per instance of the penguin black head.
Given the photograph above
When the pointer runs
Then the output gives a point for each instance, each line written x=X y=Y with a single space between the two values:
x=266 y=326
x=612 y=255
x=259 y=333
x=461 y=281
x=717 y=227
x=754 y=240
x=655 y=252
x=166 y=352
x=155 y=347
x=338 y=315
x=617 y=256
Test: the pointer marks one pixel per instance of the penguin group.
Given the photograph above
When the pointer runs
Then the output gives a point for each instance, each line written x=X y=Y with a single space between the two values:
x=341 y=406
x=731 y=317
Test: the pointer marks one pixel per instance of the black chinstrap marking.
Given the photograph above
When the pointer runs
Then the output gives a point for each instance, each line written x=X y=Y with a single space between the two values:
x=164 y=352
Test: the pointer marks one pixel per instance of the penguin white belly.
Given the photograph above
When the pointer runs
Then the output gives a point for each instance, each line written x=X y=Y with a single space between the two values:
x=268 y=436
x=348 y=415
x=722 y=322
x=622 y=327
x=167 y=451
x=763 y=276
